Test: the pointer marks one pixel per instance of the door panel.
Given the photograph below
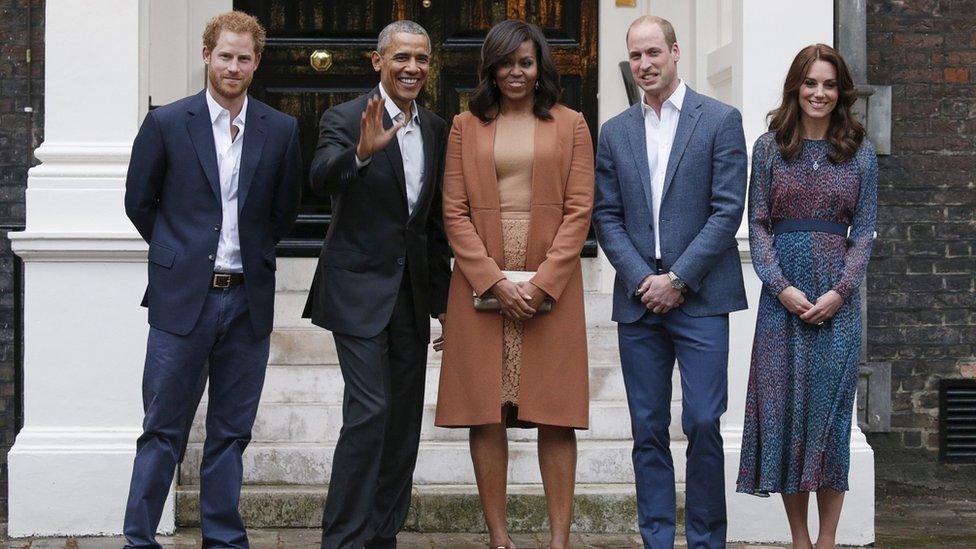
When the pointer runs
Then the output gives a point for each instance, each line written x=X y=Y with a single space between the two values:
x=347 y=30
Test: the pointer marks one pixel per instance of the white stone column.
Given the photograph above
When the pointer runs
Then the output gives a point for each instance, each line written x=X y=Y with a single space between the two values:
x=85 y=272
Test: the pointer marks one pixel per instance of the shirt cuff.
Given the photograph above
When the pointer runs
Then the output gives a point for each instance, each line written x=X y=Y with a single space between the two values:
x=361 y=163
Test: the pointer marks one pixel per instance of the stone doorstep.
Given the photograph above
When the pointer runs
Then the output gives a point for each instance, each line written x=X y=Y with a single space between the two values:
x=289 y=306
x=322 y=383
x=301 y=422
x=438 y=463
x=315 y=346
x=605 y=508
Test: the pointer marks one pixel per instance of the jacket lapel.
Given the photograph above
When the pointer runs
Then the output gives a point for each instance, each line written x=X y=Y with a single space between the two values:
x=201 y=134
x=255 y=132
x=638 y=144
x=687 y=120
x=427 y=133
x=393 y=156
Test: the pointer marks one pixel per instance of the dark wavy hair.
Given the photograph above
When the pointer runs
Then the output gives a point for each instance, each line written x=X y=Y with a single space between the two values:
x=844 y=133
x=503 y=39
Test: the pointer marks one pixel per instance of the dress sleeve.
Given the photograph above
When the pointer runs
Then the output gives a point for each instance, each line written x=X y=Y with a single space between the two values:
x=761 y=246
x=862 y=226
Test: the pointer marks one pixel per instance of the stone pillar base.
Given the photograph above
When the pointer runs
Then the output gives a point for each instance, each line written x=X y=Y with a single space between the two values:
x=72 y=482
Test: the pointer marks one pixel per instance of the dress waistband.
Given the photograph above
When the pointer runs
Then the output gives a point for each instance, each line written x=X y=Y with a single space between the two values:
x=809 y=225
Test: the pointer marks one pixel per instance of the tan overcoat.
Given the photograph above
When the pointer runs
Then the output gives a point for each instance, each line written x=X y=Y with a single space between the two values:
x=554 y=386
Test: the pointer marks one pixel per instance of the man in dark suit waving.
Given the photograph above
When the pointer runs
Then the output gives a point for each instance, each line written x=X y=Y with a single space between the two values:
x=213 y=184
x=383 y=272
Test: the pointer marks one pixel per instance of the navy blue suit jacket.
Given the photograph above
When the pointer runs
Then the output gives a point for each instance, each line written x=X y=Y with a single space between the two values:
x=172 y=196
x=701 y=206
x=373 y=237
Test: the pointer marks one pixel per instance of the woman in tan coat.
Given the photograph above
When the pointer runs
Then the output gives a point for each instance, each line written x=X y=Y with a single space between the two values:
x=518 y=190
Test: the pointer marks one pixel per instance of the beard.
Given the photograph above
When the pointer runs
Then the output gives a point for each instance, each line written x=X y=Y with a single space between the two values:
x=219 y=87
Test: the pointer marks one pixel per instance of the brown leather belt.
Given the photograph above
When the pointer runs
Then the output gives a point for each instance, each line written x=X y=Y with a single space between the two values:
x=226 y=280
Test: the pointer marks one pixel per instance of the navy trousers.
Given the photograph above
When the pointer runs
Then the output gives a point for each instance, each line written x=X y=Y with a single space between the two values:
x=648 y=349
x=236 y=359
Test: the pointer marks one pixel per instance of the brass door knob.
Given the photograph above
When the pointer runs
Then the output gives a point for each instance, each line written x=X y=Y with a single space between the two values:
x=427 y=3
x=321 y=60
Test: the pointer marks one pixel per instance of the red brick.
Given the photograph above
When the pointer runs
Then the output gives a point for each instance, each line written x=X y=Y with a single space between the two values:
x=957 y=76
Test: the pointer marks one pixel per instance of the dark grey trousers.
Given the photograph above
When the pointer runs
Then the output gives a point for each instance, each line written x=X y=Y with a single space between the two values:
x=382 y=409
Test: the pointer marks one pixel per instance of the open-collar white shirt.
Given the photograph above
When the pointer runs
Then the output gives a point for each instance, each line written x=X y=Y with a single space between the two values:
x=228 y=259
x=659 y=133
x=411 y=148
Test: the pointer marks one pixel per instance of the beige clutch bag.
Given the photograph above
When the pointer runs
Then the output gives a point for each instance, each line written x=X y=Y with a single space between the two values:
x=489 y=302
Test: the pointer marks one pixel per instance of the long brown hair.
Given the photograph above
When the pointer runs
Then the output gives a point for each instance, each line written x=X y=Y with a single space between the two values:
x=844 y=133
x=501 y=41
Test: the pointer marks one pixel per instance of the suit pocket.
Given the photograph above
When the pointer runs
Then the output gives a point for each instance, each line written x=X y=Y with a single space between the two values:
x=161 y=255
x=346 y=259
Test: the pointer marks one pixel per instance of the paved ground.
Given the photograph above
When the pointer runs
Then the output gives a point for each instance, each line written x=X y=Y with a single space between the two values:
x=909 y=522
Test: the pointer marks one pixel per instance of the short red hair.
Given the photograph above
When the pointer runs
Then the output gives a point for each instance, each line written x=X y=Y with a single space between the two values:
x=237 y=22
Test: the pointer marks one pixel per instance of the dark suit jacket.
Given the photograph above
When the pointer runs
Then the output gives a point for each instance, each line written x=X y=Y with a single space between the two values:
x=172 y=196
x=701 y=206
x=372 y=238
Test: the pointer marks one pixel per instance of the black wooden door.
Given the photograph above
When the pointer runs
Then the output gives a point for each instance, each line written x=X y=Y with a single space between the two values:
x=344 y=32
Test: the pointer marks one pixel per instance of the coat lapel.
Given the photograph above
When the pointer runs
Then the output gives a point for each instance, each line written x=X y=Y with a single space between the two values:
x=687 y=120
x=201 y=134
x=638 y=145
x=255 y=132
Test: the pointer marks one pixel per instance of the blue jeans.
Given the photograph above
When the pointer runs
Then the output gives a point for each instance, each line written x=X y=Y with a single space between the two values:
x=224 y=340
x=648 y=349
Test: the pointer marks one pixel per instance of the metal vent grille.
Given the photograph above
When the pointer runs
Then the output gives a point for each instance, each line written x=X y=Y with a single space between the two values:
x=957 y=420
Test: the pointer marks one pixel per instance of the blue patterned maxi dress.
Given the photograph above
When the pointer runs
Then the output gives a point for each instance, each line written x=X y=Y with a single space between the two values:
x=796 y=436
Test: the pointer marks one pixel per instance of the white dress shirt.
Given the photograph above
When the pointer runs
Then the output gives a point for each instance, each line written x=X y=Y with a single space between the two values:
x=228 y=258
x=411 y=149
x=659 y=132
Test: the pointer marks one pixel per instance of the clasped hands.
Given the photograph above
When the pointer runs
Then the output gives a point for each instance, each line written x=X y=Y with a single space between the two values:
x=796 y=302
x=657 y=294
x=518 y=300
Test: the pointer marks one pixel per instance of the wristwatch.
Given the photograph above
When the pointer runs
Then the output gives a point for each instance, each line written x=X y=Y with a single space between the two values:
x=676 y=282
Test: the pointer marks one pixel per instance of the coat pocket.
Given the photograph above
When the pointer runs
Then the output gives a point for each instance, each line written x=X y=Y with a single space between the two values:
x=346 y=259
x=161 y=255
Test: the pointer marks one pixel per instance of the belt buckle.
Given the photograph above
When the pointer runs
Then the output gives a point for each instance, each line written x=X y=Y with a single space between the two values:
x=221 y=280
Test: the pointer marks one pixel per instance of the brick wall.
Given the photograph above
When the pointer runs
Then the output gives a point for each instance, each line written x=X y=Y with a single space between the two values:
x=20 y=132
x=921 y=298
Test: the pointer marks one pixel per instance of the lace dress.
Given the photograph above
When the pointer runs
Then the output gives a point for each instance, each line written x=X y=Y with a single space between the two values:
x=514 y=152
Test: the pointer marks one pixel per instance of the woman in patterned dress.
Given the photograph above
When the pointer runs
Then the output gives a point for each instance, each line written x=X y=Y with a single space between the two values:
x=814 y=178
x=518 y=191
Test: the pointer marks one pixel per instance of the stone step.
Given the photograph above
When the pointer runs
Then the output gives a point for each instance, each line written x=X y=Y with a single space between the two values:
x=302 y=422
x=322 y=383
x=295 y=273
x=290 y=304
x=598 y=462
x=316 y=346
x=601 y=508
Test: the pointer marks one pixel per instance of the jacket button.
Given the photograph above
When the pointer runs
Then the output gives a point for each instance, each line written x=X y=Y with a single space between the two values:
x=216 y=228
x=210 y=257
x=400 y=261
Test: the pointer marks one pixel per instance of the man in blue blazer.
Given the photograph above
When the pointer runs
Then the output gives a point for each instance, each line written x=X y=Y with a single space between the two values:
x=670 y=188
x=213 y=184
